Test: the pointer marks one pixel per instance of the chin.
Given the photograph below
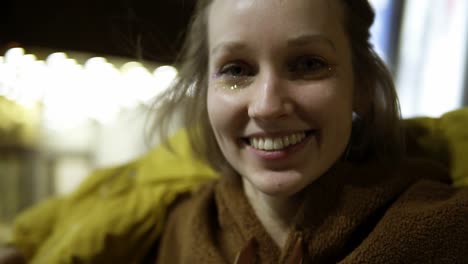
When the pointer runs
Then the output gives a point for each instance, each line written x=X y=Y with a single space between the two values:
x=278 y=184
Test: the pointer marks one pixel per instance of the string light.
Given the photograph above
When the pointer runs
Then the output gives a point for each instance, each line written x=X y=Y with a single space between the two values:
x=71 y=93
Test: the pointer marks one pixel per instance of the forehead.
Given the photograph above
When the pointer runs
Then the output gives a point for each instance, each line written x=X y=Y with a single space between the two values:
x=259 y=18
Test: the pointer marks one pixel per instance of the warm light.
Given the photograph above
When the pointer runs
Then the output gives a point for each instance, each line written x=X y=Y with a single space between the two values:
x=139 y=80
x=72 y=93
x=95 y=62
x=101 y=79
x=28 y=59
x=30 y=81
x=164 y=76
x=130 y=66
x=14 y=55
x=56 y=59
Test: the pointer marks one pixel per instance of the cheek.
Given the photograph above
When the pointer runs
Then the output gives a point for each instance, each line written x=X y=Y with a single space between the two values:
x=224 y=112
x=326 y=102
x=330 y=108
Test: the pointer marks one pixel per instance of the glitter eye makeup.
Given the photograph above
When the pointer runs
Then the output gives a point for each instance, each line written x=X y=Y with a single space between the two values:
x=234 y=76
x=232 y=87
x=232 y=84
x=237 y=72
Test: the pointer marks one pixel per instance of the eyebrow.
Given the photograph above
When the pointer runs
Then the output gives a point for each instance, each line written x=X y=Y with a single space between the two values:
x=228 y=45
x=301 y=40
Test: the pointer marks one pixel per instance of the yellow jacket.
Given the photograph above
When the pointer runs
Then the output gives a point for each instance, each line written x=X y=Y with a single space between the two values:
x=117 y=214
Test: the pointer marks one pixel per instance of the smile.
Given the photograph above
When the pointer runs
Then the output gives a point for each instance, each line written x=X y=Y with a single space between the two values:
x=277 y=143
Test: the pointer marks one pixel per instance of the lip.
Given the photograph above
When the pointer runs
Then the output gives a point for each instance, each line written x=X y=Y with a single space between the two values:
x=276 y=155
x=277 y=134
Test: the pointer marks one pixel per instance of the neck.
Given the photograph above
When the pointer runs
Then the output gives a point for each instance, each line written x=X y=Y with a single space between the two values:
x=275 y=213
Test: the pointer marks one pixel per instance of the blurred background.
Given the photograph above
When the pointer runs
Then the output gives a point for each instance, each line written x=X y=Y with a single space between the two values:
x=77 y=80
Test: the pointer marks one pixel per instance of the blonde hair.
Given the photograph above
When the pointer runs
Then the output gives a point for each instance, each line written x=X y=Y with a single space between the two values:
x=377 y=135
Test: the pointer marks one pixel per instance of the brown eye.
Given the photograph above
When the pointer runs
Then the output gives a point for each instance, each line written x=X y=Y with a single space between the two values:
x=310 y=68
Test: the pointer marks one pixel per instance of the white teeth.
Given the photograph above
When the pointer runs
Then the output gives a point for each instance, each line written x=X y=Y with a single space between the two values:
x=254 y=141
x=293 y=139
x=267 y=143
x=261 y=143
x=278 y=143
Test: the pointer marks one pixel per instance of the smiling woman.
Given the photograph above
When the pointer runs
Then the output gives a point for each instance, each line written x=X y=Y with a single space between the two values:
x=294 y=80
x=291 y=105
x=299 y=120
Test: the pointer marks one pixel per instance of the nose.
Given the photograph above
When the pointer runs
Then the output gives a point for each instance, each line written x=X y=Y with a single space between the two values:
x=271 y=99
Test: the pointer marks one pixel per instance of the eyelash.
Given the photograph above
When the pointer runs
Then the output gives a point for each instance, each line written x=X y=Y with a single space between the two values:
x=317 y=68
x=224 y=71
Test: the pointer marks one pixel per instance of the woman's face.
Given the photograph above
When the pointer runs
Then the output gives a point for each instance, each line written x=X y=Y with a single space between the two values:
x=280 y=89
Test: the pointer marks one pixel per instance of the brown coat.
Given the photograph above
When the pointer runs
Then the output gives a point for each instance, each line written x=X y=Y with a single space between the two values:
x=353 y=214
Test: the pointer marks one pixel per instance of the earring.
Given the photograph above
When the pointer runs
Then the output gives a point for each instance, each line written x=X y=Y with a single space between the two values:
x=354 y=149
x=356 y=117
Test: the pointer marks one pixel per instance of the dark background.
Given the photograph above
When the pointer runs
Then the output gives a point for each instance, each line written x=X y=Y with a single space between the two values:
x=141 y=29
